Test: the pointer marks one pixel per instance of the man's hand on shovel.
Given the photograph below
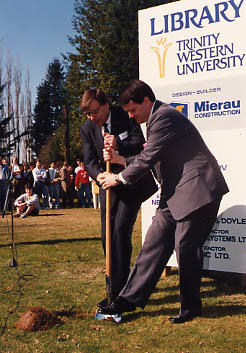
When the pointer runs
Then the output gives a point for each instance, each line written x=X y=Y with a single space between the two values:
x=108 y=179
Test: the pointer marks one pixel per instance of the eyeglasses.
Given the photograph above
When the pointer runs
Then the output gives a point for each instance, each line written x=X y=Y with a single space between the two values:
x=93 y=112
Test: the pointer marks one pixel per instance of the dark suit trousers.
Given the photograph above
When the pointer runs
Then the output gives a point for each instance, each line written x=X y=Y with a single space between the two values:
x=123 y=215
x=164 y=234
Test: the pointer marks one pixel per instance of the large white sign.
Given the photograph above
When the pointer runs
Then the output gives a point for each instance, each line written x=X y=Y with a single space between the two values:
x=193 y=55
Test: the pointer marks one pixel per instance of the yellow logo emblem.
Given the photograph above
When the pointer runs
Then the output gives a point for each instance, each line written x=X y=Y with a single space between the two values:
x=161 y=52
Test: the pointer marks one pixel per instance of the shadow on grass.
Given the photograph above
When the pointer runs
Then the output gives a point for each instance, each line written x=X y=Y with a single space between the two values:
x=40 y=215
x=53 y=241
x=221 y=288
x=51 y=214
x=217 y=292
x=209 y=312
x=169 y=288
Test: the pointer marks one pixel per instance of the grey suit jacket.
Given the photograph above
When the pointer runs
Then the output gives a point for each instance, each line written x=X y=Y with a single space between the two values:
x=187 y=171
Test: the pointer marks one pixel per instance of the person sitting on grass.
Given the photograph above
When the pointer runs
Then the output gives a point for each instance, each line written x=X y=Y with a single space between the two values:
x=27 y=204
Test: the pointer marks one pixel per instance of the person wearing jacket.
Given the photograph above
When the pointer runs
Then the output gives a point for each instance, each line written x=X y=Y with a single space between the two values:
x=192 y=187
x=106 y=122
x=83 y=187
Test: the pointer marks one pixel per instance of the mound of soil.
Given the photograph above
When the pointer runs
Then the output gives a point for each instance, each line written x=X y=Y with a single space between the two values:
x=36 y=319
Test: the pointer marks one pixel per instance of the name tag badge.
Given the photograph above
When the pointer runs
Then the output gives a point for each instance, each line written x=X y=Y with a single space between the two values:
x=124 y=135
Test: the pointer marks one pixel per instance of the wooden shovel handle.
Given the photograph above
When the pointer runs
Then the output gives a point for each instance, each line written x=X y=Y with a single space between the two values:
x=108 y=227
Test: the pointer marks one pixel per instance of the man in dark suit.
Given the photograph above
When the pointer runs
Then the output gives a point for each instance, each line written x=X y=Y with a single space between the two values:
x=125 y=135
x=191 y=190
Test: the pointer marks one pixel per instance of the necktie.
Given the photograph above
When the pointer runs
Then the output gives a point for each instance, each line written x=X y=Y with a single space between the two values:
x=106 y=127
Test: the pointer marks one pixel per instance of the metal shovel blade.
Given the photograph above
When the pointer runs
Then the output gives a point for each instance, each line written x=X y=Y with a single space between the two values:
x=116 y=318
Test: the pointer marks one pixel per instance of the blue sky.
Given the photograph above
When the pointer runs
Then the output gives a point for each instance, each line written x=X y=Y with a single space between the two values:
x=35 y=32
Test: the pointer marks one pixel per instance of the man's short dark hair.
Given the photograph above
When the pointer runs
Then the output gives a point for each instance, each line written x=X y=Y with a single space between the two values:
x=28 y=186
x=136 y=91
x=91 y=94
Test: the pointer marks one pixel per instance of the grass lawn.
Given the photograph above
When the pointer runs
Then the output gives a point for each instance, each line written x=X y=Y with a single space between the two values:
x=61 y=268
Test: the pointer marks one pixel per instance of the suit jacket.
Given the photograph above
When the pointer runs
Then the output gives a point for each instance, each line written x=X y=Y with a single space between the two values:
x=130 y=140
x=187 y=171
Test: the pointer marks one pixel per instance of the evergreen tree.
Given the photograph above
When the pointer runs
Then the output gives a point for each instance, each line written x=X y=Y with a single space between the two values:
x=1 y=93
x=105 y=52
x=48 y=110
x=106 y=45
x=42 y=126
x=55 y=78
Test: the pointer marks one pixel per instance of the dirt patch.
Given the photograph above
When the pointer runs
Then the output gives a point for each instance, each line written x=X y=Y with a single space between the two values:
x=37 y=319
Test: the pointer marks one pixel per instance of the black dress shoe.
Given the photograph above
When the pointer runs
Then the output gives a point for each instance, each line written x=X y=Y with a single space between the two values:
x=118 y=306
x=103 y=303
x=180 y=319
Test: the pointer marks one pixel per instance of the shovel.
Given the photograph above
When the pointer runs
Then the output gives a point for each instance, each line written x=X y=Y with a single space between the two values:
x=99 y=316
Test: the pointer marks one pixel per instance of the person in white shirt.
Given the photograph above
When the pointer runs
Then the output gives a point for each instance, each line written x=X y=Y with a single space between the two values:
x=27 y=204
x=78 y=161
x=54 y=179
x=40 y=188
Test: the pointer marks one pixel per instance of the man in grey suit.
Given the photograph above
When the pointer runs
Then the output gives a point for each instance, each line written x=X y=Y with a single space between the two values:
x=191 y=190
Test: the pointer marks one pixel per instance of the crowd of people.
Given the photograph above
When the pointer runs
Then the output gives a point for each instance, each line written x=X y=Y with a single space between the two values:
x=58 y=185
